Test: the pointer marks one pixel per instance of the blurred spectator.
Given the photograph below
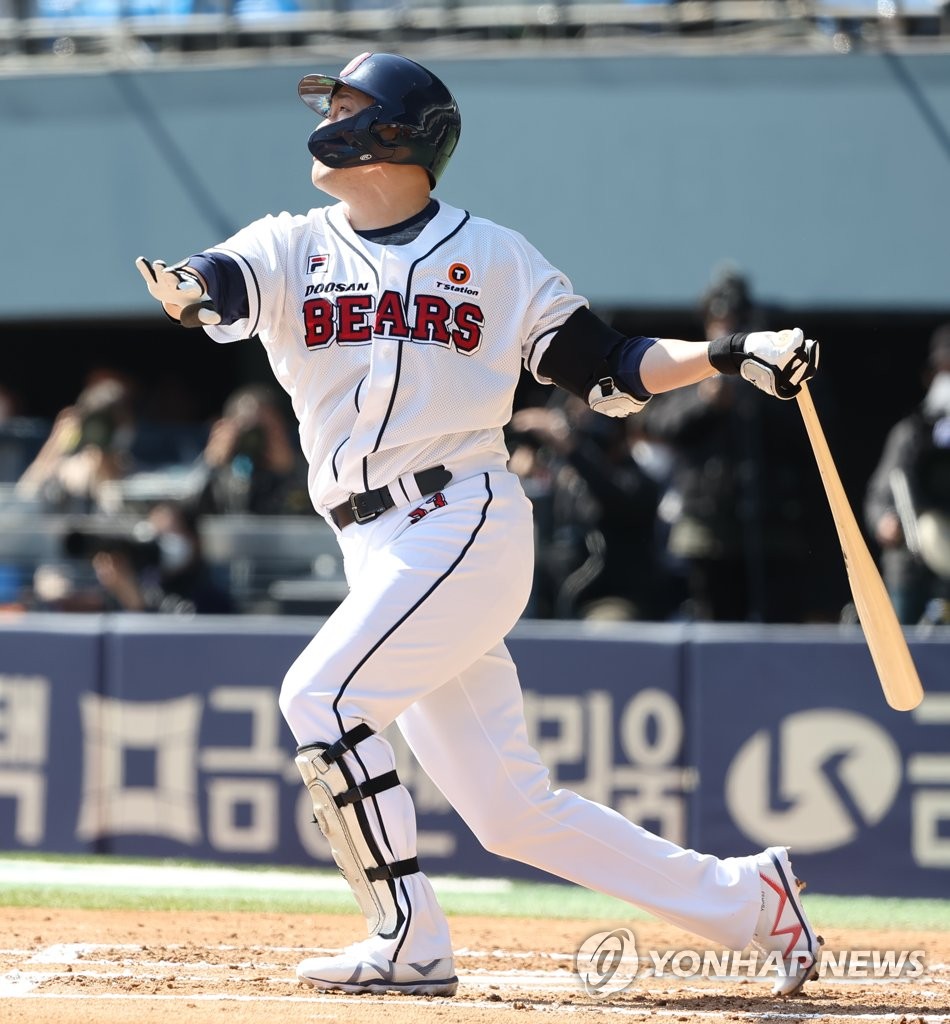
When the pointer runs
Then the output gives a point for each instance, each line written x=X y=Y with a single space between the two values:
x=88 y=446
x=9 y=404
x=21 y=437
x=251 y=464
x=907 y=505
x=181 y=582
x=595 y=512
x=158 y=567
x=58 y=587
x=16 y=437
x=741 y=488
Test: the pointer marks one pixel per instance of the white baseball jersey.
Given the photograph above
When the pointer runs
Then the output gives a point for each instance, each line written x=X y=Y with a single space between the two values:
x=396 y=358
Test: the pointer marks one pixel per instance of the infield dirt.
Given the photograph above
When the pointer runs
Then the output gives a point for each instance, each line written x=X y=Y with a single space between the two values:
x=113 y=967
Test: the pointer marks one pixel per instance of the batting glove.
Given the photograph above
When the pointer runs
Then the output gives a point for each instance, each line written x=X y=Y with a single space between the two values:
x=175 y=286
x=777 y=362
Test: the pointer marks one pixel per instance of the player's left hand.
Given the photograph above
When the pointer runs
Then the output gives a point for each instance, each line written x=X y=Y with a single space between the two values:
x=777 y=362
x=174 y=287
x=169 y=284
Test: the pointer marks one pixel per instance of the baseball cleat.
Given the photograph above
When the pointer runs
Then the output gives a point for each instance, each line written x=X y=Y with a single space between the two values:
x=359 y=971
x=782 y=926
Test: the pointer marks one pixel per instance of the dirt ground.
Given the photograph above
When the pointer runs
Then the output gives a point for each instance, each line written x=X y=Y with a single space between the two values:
x=109 y=967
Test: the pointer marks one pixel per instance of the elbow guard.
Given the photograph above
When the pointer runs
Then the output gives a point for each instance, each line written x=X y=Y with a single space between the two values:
x=609 y=400
x=588 y=358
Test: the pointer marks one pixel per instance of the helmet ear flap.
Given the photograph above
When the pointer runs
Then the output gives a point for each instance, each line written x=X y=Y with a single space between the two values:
x=375 y=144
x=391 y=134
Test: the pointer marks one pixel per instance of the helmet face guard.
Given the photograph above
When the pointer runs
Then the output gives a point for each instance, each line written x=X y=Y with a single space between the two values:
x=414 y=119
x=356 y=140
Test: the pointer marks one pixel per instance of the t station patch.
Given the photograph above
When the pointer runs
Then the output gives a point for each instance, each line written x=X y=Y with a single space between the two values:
x=459 y=273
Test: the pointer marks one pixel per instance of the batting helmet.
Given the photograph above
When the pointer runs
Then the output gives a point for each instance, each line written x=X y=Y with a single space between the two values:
x=414 y=119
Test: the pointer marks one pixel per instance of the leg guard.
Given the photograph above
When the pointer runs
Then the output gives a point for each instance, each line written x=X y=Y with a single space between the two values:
x=338 y=810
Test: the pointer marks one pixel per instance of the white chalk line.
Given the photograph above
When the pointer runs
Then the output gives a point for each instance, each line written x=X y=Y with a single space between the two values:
x=69 y=952
x=63 y=953
x=544 y=980
x=20 y=983
x=25 y=984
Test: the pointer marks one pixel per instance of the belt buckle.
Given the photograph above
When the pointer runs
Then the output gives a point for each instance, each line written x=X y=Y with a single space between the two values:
x=360 y=517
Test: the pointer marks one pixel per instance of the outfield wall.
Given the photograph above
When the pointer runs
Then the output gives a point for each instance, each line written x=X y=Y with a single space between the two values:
x=138 y=735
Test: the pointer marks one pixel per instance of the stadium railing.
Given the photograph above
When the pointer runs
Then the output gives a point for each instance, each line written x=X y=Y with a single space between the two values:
x=269 y=564
x=66 y=27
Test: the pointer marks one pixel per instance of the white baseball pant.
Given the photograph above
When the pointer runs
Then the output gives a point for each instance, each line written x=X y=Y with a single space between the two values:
x=418 y=640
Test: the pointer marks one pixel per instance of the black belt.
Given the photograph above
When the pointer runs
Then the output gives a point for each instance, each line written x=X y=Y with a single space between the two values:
x=370 y=505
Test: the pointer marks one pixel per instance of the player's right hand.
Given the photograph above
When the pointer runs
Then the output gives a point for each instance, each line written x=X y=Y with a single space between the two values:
x=777 y=362
x=174 y=287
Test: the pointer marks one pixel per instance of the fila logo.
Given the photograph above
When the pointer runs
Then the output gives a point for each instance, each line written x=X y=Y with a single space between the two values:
x=459 y=273
x=318 y=264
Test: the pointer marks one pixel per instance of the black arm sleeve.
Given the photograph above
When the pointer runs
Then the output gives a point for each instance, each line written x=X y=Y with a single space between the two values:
x=226 y=285
x=585 y=350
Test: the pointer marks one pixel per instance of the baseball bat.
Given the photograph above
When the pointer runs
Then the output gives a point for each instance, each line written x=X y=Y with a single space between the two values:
x=882 y=631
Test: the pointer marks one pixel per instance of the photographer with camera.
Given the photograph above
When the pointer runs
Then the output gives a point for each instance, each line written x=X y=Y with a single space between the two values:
x=252 y=467
x=907 y=502
x=159 y=567
x=595 y=513
x=88 y=446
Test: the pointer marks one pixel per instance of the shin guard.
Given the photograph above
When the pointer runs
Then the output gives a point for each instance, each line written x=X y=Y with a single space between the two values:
x=339 y=812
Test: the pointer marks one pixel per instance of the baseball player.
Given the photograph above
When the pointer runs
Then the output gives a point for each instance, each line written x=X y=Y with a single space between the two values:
x=398 y=325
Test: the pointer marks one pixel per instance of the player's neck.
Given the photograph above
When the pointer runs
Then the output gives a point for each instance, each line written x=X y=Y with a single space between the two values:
x=389 y=199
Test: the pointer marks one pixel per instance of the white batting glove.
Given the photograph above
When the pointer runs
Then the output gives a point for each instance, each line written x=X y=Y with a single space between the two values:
x=777 y=362
x=175 y=286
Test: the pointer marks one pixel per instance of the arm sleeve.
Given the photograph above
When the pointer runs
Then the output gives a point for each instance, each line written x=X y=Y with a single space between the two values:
x=248 y=272
x=625 y=362
x=584 y=349
x=226 y=285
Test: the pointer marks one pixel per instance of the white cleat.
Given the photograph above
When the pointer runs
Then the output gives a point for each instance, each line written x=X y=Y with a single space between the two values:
x=361 y=971
x=782 y=926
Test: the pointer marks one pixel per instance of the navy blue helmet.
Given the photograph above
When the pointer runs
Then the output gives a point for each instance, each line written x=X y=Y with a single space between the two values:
x=414 y=119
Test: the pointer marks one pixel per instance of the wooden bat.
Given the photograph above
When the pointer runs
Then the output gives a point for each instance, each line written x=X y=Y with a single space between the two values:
x=885 y=638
